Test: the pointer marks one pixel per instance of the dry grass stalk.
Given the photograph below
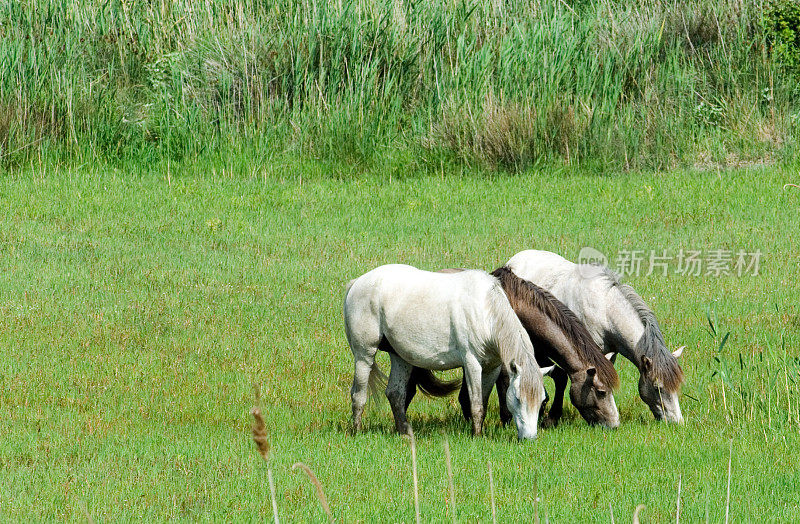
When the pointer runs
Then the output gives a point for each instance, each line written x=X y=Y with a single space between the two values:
x=728 y=496
x=611 y=511
x=259 y=430
x=678 y=514
x=491 y=494
x=450 y=477
x=85 y=510
x=413 y=441
x=272 y=495
x=323 y=500
x=790 y=185
x=639 y=508
x=259 y=427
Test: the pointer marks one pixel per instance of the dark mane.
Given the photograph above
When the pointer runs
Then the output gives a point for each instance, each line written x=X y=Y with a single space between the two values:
x=665 y=366
x=523 y=293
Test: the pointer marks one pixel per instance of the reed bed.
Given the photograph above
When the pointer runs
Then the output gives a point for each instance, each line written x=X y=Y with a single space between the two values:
x=504 y=85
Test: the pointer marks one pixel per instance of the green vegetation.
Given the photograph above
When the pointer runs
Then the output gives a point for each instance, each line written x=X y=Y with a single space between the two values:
x=137 y=310
x=399 y=84
x=782 y=23
x=187 y=186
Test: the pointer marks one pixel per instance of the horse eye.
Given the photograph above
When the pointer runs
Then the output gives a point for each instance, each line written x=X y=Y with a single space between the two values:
x=602 y=393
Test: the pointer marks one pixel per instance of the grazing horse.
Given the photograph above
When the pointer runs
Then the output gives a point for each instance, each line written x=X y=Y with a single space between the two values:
x=435 y=321
x=618 y=319
x=561 y=338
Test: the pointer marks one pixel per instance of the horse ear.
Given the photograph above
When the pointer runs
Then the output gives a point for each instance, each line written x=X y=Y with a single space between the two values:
x=678 y=352
x=512 y=367
x=647 y=364
x=591 y=372
x=548 y=370
x=610 y=356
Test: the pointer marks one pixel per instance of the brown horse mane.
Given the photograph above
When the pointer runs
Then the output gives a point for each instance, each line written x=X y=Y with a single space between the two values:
x=522 y=293
x=665 y=367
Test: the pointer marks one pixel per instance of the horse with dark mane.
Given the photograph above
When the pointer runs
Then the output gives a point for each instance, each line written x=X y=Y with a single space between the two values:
x=617 y=318
x=559 y=338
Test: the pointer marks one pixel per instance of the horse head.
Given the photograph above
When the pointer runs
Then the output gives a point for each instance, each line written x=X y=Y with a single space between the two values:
x=660 y=397
x=593 y=398
x=526 y=395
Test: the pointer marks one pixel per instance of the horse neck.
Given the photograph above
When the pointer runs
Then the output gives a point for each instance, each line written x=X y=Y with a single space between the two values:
x=555 y=345
x=625 y=325
x=511 y=341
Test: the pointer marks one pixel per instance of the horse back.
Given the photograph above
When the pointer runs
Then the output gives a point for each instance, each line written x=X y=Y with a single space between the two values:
x=415 y=308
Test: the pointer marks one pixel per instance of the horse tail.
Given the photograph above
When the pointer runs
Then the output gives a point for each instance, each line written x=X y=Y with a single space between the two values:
x=427 y=382
x=377 y=381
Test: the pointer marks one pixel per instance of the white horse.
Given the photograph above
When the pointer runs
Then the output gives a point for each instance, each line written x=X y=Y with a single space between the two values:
x=617 y=318
x=438 y=321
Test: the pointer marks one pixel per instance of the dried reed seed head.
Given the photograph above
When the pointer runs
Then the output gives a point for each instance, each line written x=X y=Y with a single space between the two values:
x=260 y=433
x=323 y=500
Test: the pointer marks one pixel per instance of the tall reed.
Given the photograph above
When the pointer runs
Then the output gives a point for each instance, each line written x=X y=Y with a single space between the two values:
x=505 y=85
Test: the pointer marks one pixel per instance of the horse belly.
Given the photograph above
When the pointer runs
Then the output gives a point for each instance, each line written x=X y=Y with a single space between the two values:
x=424 y=349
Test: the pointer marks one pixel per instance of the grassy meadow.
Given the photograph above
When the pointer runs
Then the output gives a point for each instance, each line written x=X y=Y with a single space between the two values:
x=139 y=307
x=187 y=186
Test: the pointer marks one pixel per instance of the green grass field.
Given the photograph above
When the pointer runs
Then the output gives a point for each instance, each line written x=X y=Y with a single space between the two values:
x=137 y=311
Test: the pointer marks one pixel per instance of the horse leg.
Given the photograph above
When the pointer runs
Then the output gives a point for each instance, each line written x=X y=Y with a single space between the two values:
x=399 y=378
x=463 y=398
x=502 y=390
x=364 y=337
x=411 y=390
x=487 y=385
x=559 y=376
x=473 y=373
x=360 y=389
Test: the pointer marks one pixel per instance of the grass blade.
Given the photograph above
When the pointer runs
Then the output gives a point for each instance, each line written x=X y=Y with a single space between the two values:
x=639 y=508
x=728 y=495
x=450 y=478
x=414 y=473
x=272 y=495
x=491 y=494
x=259 y=431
